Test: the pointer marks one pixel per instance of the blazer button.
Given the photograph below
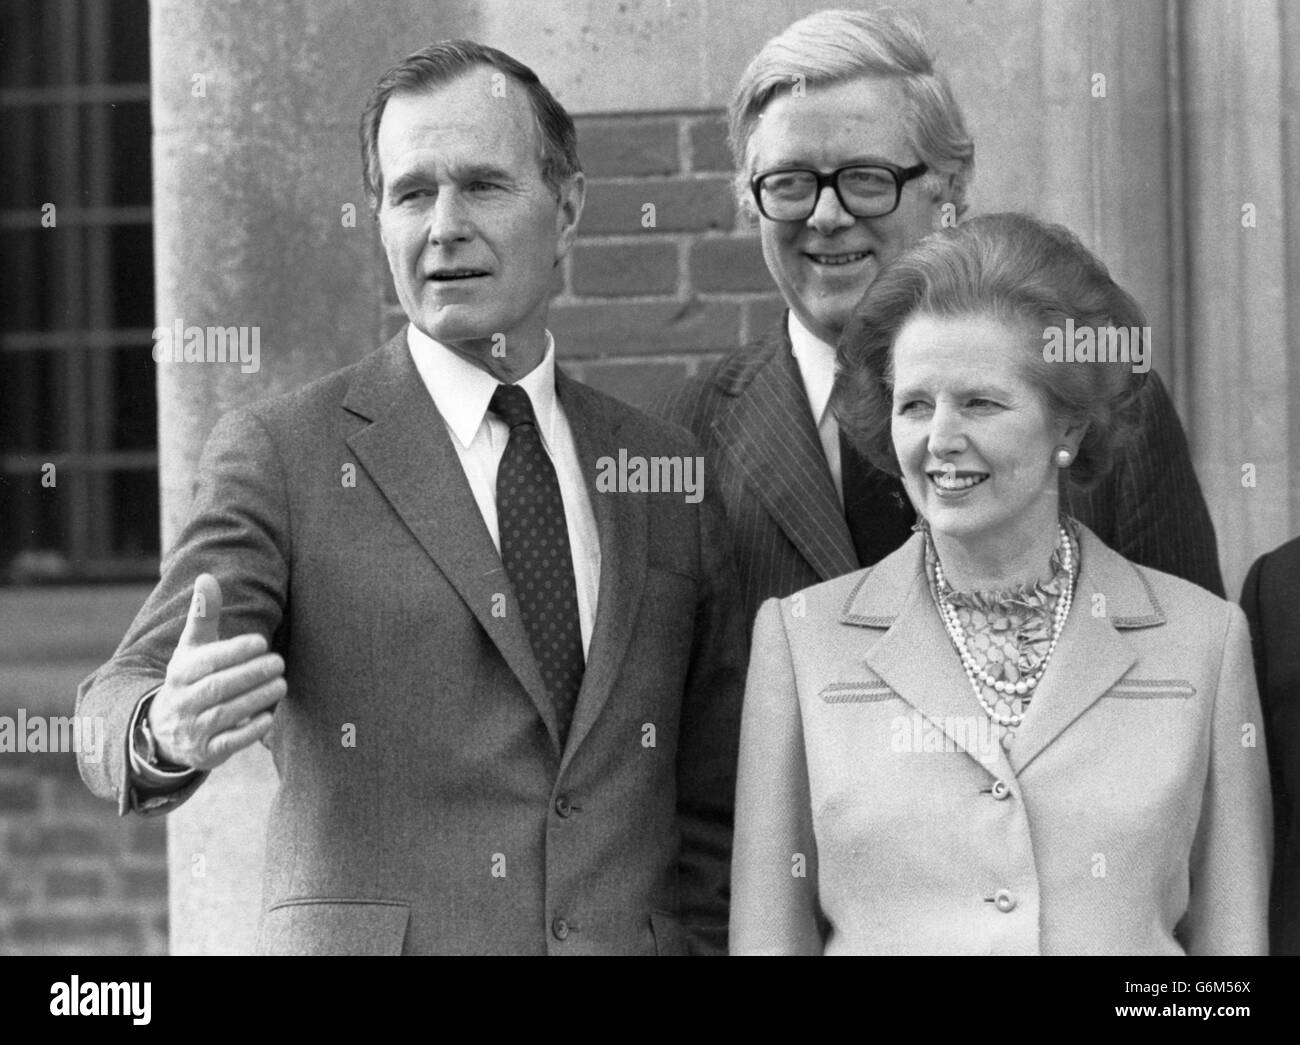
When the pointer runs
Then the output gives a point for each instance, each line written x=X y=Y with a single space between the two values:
x=1001 y=790
x=560 y=928
x=563 y=806
x=1004 y=901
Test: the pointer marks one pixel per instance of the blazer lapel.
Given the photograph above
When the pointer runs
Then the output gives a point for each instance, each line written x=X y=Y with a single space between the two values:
x=1092 y=654
x=916 y=657
x=770 y=435
x=407 y=451
x=623 y=526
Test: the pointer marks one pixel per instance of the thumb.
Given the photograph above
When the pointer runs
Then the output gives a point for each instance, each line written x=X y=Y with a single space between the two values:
x=204 y=620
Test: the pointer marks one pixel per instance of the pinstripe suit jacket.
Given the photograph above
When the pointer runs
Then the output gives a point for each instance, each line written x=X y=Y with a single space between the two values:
x=750 y=413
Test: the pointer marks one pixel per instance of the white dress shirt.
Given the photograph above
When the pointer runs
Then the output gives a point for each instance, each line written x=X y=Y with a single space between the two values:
x=462 y=391
x=816 y=361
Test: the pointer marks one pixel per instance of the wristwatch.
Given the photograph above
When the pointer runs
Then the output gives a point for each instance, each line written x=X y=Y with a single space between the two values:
x=147 y=746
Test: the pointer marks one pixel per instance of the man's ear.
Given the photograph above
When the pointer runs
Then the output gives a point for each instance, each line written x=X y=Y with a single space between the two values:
x=745 y=200
x=943 y=213
x=572 y=196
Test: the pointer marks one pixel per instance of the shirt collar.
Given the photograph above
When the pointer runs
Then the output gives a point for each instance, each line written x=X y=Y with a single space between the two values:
x=462 y=391
x=816 y=361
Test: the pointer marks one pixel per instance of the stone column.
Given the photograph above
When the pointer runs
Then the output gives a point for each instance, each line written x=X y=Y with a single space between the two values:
x=1240 y=99
x=1104 y=149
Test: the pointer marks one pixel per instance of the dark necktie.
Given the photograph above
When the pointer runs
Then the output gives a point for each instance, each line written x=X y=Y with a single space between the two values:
x=879 y=515
x=536 y=554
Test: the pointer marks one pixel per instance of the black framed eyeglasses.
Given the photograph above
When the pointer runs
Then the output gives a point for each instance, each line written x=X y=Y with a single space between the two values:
x=865 y=190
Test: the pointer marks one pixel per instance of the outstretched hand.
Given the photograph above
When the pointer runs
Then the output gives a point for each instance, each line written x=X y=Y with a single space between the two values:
x=219 y=693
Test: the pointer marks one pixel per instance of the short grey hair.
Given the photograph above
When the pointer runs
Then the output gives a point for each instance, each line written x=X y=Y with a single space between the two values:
x=440 y=63
x=833 y=47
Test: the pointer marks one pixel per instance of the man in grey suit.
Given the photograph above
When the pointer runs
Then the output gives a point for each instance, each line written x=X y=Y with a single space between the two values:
x=849 y=147
x=502 y=705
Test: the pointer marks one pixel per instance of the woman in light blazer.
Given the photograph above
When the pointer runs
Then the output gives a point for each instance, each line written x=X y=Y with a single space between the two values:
x=1004 y=738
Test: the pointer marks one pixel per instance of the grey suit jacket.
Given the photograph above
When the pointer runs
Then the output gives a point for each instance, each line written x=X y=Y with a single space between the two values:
x=750 y=413
x=876 y=813
x=454 y=822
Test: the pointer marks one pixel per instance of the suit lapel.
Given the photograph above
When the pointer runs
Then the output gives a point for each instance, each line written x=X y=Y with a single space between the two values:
x=1093 y=654
x=408 y=453
x=622 y=524
x=915 y=655
x=770 y=435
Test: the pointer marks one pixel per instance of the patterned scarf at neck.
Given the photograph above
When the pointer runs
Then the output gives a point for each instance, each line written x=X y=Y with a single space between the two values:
x=1008 y=633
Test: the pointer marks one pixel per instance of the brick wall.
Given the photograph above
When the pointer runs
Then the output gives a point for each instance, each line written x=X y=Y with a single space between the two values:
x=639 y=307
x=75 y=878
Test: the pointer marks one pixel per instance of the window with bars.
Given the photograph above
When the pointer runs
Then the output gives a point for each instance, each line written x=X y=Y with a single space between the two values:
x=78 y=419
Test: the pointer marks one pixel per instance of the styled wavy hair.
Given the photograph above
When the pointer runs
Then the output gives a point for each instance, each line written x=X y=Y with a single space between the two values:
x=833 y=47
x=1025 y=273
x=442 y=62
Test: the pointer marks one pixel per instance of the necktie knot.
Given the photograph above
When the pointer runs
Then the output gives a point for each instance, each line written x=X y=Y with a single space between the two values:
x=512 y=405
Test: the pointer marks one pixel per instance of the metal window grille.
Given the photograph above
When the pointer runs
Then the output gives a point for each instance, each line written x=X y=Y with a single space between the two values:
x=78 y=417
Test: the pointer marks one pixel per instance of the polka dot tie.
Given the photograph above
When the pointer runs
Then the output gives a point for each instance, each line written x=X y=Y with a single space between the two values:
x=536 y=554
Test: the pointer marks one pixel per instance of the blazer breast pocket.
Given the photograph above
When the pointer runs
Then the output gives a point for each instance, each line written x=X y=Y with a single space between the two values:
x=334 y=927
x=868 y=691
x=1152 y=689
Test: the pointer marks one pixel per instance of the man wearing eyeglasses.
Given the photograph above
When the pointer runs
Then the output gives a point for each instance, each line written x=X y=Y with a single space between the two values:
x=849 y=148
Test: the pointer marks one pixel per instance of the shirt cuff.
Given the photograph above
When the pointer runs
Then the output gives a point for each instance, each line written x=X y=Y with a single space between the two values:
x=144 y=777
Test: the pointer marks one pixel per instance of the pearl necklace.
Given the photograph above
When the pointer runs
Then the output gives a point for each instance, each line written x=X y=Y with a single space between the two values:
x=974 y=673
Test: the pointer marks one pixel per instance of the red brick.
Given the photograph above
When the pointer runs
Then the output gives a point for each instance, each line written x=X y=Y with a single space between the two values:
x=143 y=884
x=650 y=328
x=155 y=944
x=680 y=205
x=102 y=933
x=15 y=886
x=637 y=384
x=30 y=763
x=628 y=147
x=148 y=835
x=18 y=793
x=628 y=269
x=731 y=264
x=709 y=150
x=74 y=885
x=63 y=840
x=761 y=315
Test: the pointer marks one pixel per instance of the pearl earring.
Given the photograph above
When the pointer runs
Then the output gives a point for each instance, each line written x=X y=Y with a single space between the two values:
x=1063 y=457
